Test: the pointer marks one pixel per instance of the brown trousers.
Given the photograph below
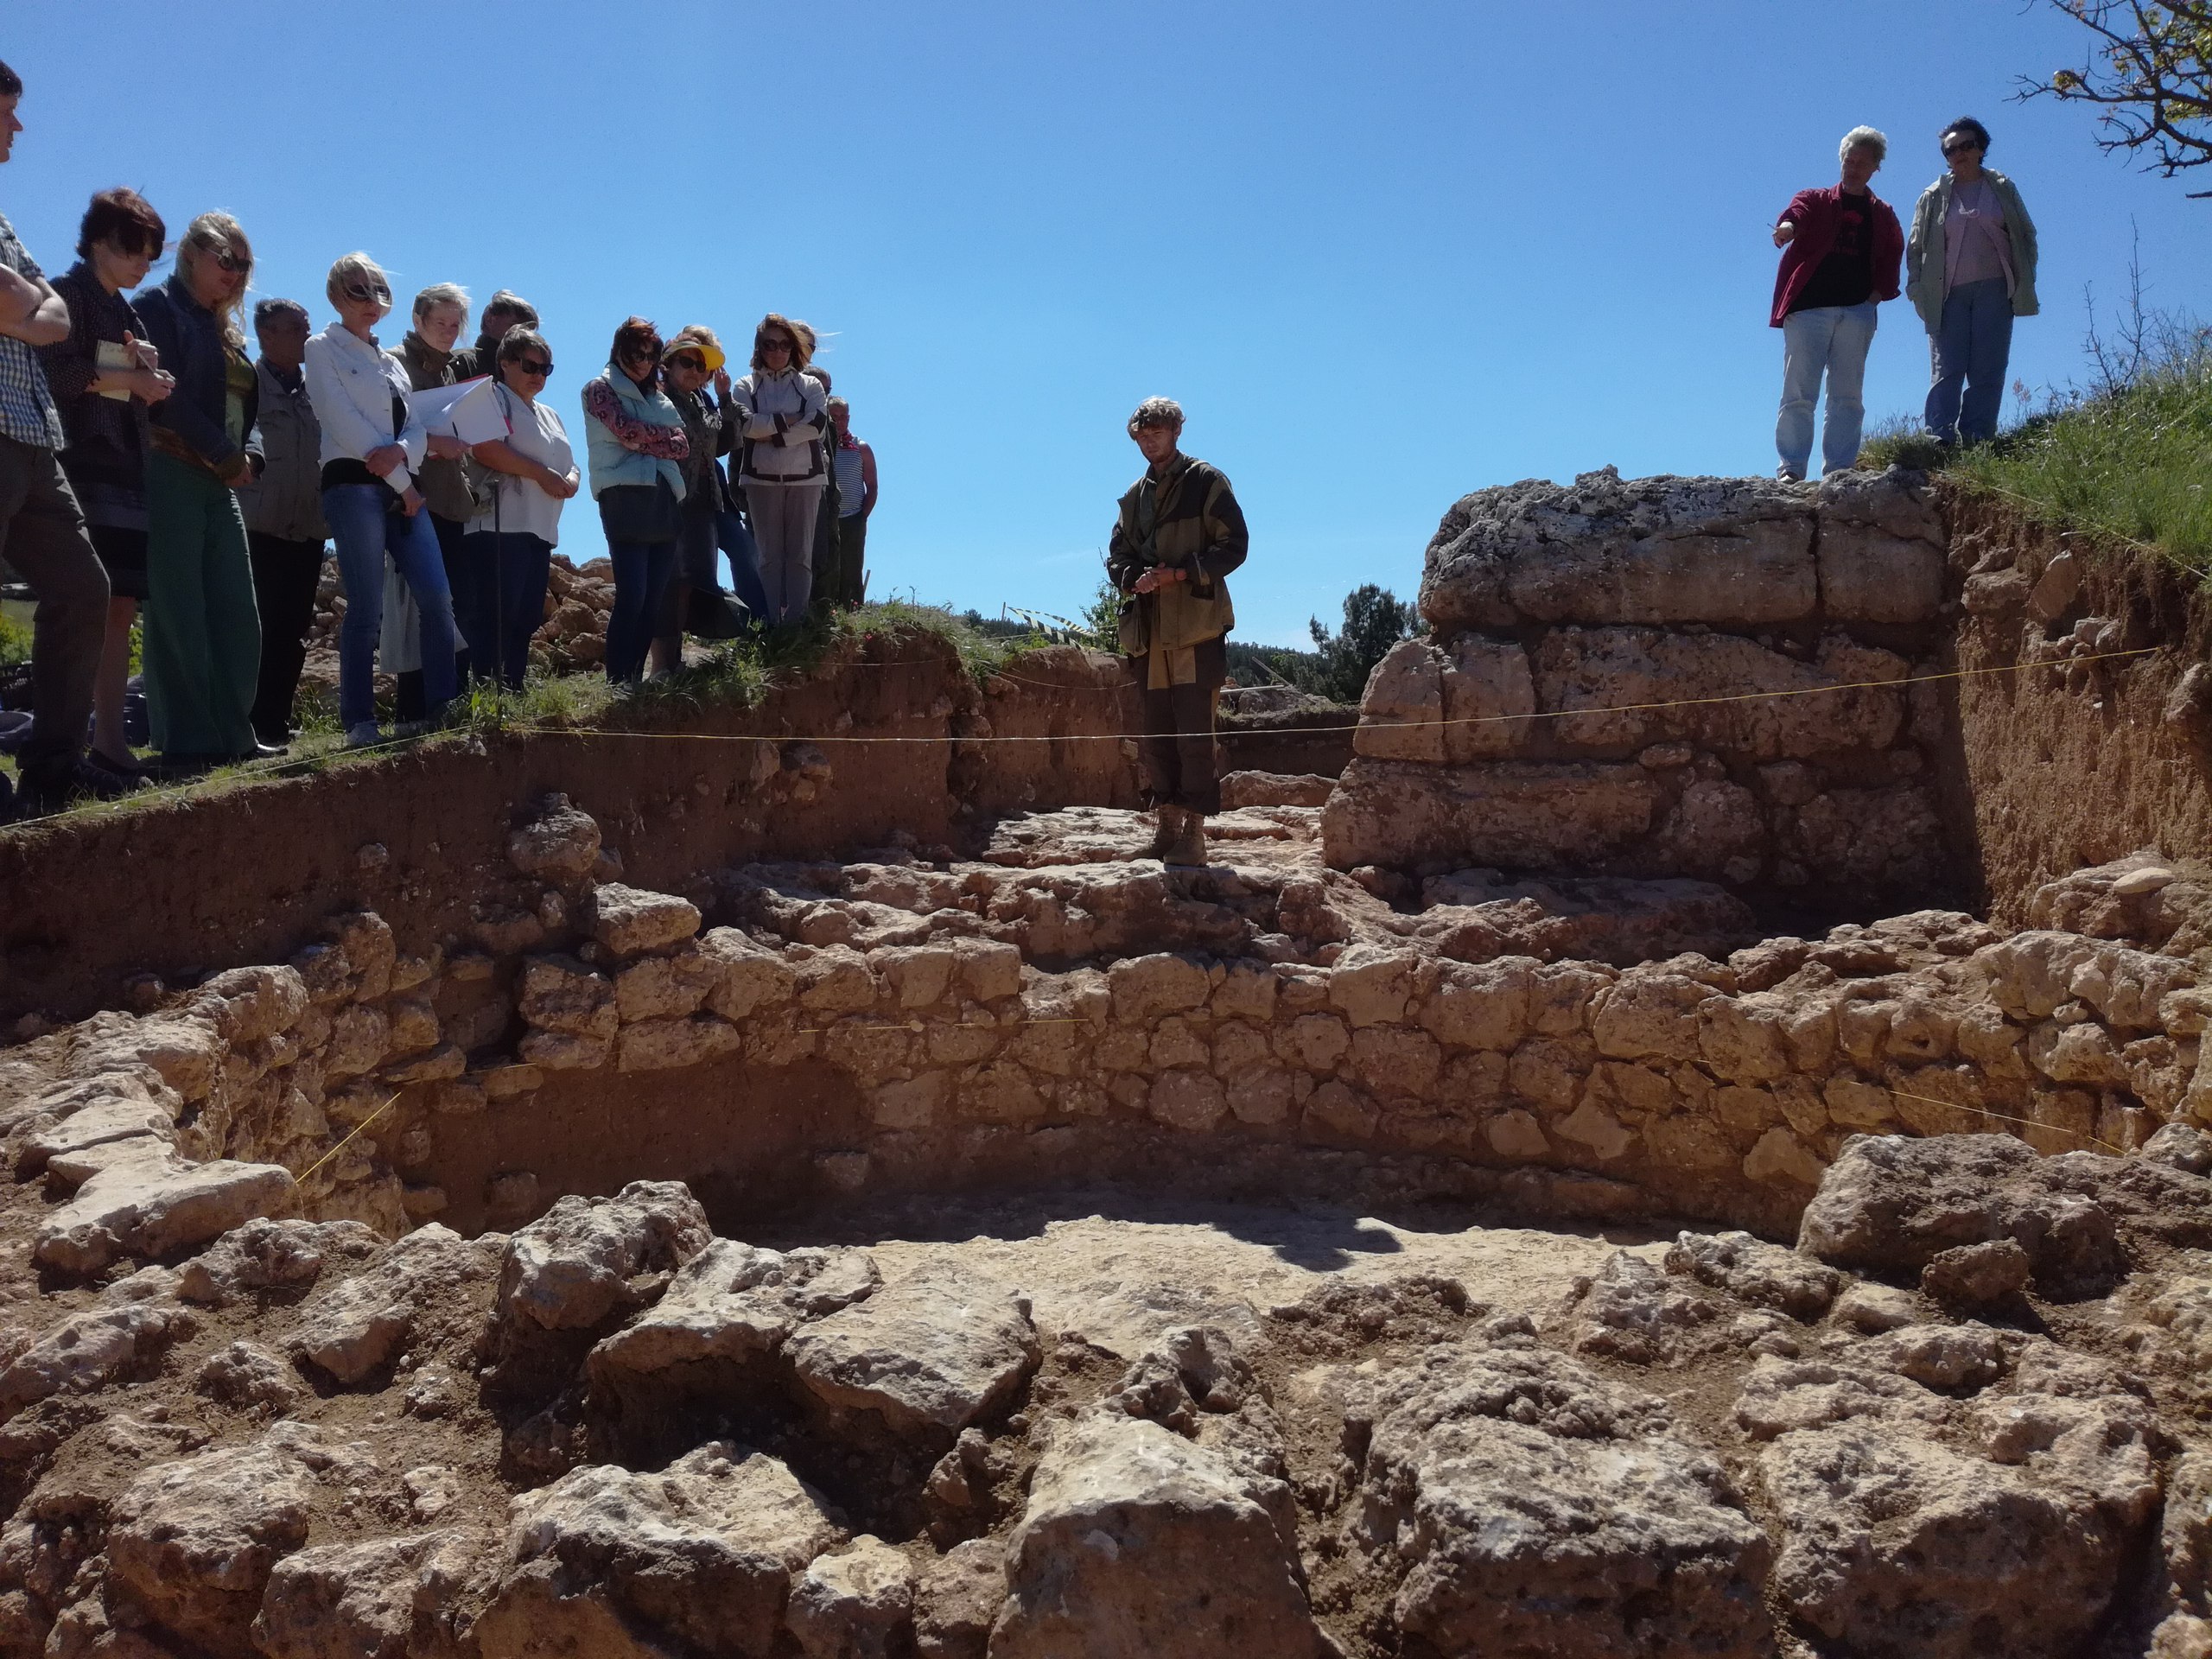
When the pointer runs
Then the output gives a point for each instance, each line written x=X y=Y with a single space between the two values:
x=1177 y=749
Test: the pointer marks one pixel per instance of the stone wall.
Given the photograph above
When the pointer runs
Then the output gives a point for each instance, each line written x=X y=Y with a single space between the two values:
x=243 y=873
x=603 y=1032
x=1657 y=604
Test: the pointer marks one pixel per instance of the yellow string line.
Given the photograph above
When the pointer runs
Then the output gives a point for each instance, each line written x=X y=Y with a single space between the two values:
x=1367 y=726
x=300 y=1178
x=1984 y=1111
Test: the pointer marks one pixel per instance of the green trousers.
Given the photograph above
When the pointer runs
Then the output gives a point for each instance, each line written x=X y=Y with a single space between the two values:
x=202 y=648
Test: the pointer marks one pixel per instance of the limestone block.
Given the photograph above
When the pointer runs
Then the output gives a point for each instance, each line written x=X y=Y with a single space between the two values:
x=661 y=1045
x=1781 y=1156
x=1247 y=992
x=627 y=921
x=1392 y=1060
x=1401 y=710
x=750 y=977
x=1593 y=1126
x=1651 y=1012
x=910 y=1103
x=917 y=975
x=835 y=980
x=1868 y=575
x=560 y=843
x=1516 y=1134
x=1522 y=815
x=562 y=1050
x=1372 y=984
x=139 y=1198
x=1488 y=694
x=1147 y=988
x=989 y=969
x=1187 y=1098
x=1481 y=1006
x=1336 y=1112
x=1313 y=1042
x=560 y=994
x=666 y=988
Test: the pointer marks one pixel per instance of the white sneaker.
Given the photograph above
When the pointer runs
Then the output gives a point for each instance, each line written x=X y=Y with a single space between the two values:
x=361 y=735
x=1788 y=477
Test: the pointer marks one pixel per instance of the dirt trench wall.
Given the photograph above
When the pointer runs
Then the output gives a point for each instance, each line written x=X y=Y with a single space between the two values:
x=2076 y=762
x=89 y=901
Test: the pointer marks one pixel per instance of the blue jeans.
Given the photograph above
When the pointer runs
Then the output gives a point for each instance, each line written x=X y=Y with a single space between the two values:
x=1970 y=352
x=1833 y=339
x=364 y=533
x=504 y=601
x=641 y=573
x=736 y=540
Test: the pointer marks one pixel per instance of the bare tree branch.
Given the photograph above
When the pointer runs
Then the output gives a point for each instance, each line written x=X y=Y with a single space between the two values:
x=2145 y=69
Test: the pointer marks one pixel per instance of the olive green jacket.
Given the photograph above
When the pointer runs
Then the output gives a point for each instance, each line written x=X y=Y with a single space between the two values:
x=1923 y=249
x=1197 y=527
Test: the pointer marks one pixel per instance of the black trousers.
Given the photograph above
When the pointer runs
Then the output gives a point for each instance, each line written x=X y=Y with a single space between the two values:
x=1177 y=747
x=285 y=574
x=43 y=535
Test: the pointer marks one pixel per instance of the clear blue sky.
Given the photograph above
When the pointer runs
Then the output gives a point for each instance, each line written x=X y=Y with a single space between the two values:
x=1383 y=254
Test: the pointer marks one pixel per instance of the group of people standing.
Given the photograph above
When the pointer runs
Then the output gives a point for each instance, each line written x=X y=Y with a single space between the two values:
x=1969 y=265
x=153 y=474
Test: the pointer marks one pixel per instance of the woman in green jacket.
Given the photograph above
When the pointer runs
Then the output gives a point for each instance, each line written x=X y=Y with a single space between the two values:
x=1970 y=268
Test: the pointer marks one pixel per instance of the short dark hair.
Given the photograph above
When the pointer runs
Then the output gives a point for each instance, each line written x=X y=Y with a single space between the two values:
x=514 y=305
x=124 y=217
x=11 y=84
x=1968 y=126
x=264 y=309
x=634 y=335
x=518 y=339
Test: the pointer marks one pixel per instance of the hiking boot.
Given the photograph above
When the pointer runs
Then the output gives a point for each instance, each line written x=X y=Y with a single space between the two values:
x=1189 y=847
x=1164 y=838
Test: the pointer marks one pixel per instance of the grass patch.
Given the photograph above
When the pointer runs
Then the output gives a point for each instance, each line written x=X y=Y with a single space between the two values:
x=739 y=674
x=2129 y=455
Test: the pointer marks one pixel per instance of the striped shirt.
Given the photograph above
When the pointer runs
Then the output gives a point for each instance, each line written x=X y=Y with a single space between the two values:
x=27 y=411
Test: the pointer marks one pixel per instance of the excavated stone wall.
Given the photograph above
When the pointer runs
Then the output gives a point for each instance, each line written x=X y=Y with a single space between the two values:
x=887 y=1024
x=1655 y=604
x=207 y=882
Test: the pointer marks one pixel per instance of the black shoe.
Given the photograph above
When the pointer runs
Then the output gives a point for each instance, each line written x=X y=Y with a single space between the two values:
x=70 y=785
x=270 y=751
x=121 y=768
x=7 y=800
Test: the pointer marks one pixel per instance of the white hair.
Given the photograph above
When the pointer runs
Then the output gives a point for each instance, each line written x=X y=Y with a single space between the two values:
x=1864 y=138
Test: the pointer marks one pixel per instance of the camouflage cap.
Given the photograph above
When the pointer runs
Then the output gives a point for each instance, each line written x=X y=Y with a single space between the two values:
x=1157 y=411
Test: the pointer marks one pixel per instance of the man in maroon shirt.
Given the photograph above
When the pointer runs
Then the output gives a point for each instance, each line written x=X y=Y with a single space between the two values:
x=1840 y=250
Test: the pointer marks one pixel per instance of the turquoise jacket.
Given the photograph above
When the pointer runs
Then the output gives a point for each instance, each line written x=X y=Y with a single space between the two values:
x=611 y=462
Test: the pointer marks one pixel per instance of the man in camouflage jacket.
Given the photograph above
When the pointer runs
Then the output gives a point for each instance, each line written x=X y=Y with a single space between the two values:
x=1179 y=534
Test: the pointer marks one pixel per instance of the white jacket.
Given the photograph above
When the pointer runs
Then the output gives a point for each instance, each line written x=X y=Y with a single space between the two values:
x=351 y=384
x=781 y=417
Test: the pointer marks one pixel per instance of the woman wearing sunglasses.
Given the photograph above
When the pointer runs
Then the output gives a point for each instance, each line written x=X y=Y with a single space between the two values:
x=694 y=594
x=510 y=543
x=373 y=445
x=780 y=416
x=1970 y=267
x=635 y=438
x=201 y=650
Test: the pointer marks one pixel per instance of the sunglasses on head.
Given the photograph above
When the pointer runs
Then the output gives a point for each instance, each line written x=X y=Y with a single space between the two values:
x=365 y=292
x=528 y=366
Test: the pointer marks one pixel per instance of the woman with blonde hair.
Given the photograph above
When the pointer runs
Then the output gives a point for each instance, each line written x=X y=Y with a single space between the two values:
x=373 y=447
x=201 y=649
x=693 y=598
x=780 y=417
